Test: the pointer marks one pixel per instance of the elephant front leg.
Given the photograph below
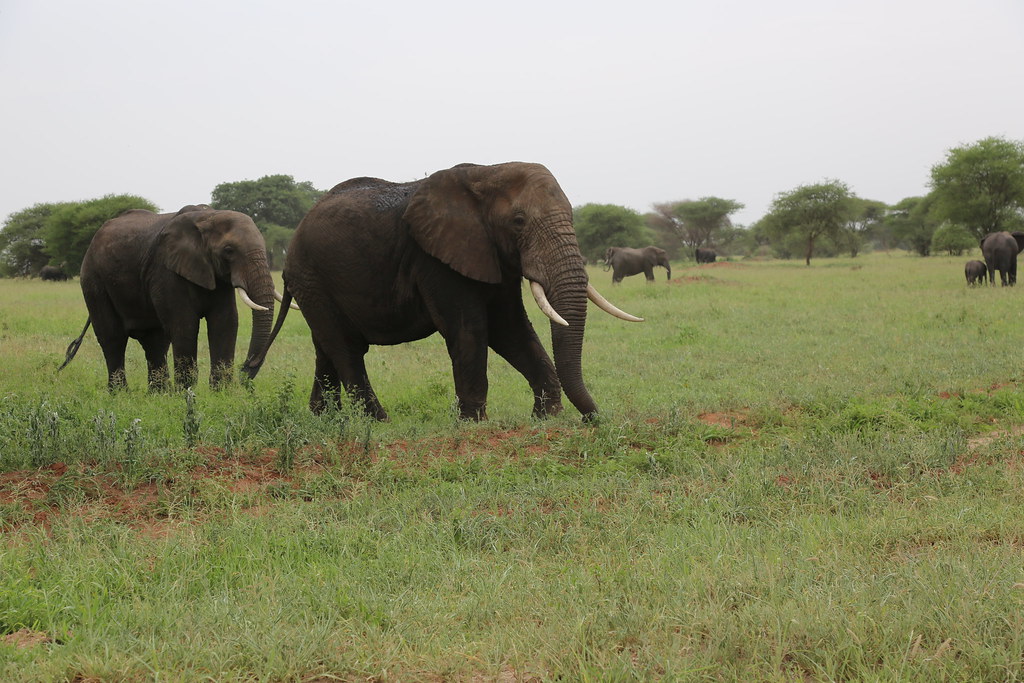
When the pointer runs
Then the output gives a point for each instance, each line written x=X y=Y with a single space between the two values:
x=468 y=352
x=519 y=345
x=184 y=343
x=222 y=333
x=155 y=345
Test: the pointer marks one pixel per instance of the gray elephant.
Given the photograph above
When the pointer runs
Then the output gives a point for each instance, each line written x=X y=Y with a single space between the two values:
x=152 y=277
x=705 y=255
x=1000 y=250
x=975 y=272
x=626 y=261
x=53 y=274
x=376 y=262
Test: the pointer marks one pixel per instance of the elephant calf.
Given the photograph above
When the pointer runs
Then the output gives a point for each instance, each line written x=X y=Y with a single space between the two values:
x=625 y=261
x=975 y=272
x=705 y=255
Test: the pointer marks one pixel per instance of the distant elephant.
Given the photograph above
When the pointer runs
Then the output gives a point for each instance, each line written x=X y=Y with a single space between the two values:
x=705 y=255
x=152 y=277
x=53 y=274
x=626 y=261
x=1000 y=250
x=975 y=272
x=376 y=262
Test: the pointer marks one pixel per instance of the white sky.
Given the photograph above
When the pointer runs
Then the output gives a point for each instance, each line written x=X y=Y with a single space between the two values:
x=632 y=102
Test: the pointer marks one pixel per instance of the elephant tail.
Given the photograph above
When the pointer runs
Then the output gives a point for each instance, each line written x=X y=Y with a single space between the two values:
x=73 y=346
x=255 y=362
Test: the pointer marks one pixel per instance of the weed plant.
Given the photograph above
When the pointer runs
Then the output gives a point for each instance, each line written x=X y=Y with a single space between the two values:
x=799 y=474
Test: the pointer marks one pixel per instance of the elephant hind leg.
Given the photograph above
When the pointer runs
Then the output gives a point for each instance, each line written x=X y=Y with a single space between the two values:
x=343 y=368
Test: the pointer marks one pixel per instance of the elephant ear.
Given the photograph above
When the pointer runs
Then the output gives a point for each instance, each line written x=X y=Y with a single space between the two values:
x=445 y=217
x=1019 y=236
x=184 y=250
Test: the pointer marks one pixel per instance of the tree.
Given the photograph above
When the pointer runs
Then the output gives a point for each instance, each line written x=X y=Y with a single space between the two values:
x=981 y=186
x=22 y=247
x=810 y=212
x=952 y=239
x=912 y=223
x=866 y=217
x=275 y=203
x=697 y=222
x=68 y=231
x=599 y=226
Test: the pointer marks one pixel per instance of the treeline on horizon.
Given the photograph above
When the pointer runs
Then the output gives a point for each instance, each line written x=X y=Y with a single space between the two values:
x=977 y=189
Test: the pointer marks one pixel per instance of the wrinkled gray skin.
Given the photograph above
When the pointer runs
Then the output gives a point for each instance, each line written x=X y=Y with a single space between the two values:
x=705 y=255
x=975 y=272
x=376 y=262
x=1000 y=250
x=625 y=261
x=52 y=274
x=153 y=277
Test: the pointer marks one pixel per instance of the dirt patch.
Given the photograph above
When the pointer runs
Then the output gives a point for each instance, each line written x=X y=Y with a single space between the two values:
x=26 y=638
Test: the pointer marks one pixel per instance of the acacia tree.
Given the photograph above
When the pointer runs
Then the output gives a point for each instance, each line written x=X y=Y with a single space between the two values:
x=981 y=186
x=599 y=226
x=912 y=222
x=696 y=221
x=810 y=212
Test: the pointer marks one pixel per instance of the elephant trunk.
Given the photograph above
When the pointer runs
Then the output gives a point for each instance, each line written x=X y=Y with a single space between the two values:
x=256 y=281
x=565 y=282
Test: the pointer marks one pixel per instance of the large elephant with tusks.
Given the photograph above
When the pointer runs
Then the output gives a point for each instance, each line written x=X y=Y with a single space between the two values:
x=377 y=262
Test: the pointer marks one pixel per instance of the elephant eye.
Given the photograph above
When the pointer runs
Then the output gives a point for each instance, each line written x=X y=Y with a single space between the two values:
x=519 y=220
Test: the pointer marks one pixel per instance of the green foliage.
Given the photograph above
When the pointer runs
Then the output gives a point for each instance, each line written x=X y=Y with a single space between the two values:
x=599 y=226
x=22 y=247
x=697 y=223
x=952 y=239
x=68 y=231
x=912 y=223
x=810 y=212
x=276 y=203
x=981 y=186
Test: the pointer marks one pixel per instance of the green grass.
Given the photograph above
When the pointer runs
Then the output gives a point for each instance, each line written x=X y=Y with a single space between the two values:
x=799 y=474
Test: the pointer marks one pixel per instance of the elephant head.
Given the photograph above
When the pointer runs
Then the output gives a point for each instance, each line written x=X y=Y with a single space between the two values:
x=207 y=246
x=496 y=223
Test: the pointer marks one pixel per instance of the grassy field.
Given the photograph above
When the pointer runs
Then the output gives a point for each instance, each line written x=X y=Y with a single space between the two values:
x=799 y=474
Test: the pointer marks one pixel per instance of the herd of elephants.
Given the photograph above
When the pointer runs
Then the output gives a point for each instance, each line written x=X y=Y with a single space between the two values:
x=375 y=262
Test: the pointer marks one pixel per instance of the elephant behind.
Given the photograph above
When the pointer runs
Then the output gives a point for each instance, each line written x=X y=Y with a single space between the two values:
x=153 y=277
x=975 y=272
x=626 y=261
x=1000 y=250
x=376 y=262
x=53 y=274
x=705 y=255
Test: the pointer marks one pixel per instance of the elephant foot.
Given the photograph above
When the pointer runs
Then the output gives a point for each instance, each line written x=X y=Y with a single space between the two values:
x=472 y=412
x=546 y=407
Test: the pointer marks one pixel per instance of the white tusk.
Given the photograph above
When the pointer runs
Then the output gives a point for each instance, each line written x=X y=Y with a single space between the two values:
x=280 y=297
x=249 y=302
x=545 y=305
x=608 y=307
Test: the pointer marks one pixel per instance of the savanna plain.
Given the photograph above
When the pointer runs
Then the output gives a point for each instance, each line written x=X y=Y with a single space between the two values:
x=800 y=473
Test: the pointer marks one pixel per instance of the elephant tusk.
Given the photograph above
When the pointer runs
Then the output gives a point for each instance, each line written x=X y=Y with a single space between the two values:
x=280 y=297
x=545 y=305
x=608 y=307
x=249 y=302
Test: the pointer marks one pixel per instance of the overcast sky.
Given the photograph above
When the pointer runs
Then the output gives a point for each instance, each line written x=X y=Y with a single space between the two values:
x=632 y=102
